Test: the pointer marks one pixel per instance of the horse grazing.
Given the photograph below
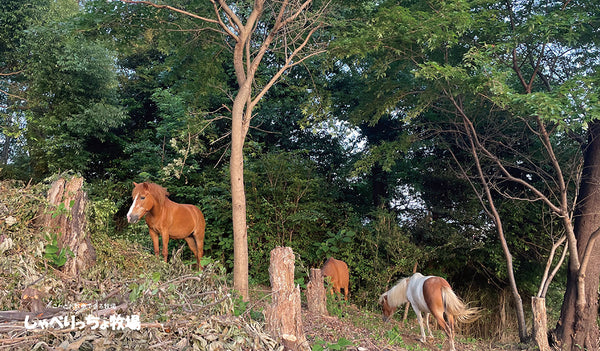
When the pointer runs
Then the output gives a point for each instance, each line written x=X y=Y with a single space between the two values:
x=429 y=294
x=166 y=218
x=337 y=271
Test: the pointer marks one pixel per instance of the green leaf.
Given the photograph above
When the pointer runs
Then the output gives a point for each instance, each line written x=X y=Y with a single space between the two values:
x=52 y=249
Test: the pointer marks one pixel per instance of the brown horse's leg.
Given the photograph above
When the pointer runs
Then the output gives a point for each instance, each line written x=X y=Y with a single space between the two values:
x=336 y=287
x=154 y=237
x=439 y=316
x=192 y=244
x=165 y=248
x=199 y=244
x=199 y=241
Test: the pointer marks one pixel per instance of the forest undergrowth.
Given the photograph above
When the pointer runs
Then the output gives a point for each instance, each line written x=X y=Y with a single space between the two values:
x=130 y=300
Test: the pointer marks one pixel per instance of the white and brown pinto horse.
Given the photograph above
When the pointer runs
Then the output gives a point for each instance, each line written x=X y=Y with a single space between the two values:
x=429 y=294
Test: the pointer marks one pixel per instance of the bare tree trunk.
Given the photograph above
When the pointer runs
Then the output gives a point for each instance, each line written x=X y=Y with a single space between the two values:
x=283 y=317
x=294 y=24
x=577 y=327
x=315 y=293
x=491 y=211
x=66 y=217
x=238 y=199
x=5 y=150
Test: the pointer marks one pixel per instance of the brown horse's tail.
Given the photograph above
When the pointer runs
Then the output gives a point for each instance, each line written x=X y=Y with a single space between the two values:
x=456 y=307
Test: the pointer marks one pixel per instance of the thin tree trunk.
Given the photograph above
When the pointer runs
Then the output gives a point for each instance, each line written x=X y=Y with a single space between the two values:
x=5 y=150
x=238 y=198
x=493 y=213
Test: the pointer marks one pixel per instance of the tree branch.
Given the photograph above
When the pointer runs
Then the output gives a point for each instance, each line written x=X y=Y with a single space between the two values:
x=150 y=3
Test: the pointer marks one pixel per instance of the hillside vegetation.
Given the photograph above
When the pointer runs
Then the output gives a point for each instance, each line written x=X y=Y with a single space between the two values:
x=178 y=307
x=457 y=138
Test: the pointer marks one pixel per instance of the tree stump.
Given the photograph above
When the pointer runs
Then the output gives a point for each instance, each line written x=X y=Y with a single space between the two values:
x=283 y=317
x=540 y=325
x=65 y=217
x=315 y=293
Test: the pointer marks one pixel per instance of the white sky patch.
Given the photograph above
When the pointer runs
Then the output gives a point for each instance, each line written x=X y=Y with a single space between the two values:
x=349 y=136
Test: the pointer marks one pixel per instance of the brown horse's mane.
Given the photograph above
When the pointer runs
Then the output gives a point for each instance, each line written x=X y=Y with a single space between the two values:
x=158 y=192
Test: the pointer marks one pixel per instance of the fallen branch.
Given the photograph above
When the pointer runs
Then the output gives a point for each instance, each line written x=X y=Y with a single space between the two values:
x=15 y=315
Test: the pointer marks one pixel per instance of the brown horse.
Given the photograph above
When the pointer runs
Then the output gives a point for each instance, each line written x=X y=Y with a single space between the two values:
x=337 y=271
x=429 y=294
x=166 y=218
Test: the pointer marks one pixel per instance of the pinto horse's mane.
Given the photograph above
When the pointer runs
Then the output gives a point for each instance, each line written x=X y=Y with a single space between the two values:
x=157 y=191
x=396 y=296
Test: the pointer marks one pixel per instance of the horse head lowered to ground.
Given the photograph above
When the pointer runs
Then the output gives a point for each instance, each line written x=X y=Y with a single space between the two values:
x=338 y=272
x=429 y=294
x=166 y=218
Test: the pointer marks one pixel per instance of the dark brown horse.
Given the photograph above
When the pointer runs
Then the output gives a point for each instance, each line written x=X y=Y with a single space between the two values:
x=166 y=218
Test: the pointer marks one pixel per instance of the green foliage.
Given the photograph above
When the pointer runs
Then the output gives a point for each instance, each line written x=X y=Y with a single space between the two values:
x=239 y=306
x=335 y=303
x=394 y=337
x=322 y=345
x=335 y=244
x=62 y=210
x=56 y=255
x=289 y=205
x=80 y=77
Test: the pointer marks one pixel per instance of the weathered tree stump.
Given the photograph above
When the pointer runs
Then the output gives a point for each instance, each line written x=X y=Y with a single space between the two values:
x=283 y=317
x=540 y=324
x=315 y=293
x=66 y=218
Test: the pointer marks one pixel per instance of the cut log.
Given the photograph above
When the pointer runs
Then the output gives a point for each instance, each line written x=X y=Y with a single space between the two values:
x=10 y=316
x=283 y=317
x=315 y=293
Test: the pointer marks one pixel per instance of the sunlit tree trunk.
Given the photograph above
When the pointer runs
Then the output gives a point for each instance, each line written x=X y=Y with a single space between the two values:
x=238 y=193
x=292 y=25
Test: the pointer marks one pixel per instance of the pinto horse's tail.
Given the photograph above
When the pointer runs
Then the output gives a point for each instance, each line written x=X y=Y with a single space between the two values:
x=456 y=307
